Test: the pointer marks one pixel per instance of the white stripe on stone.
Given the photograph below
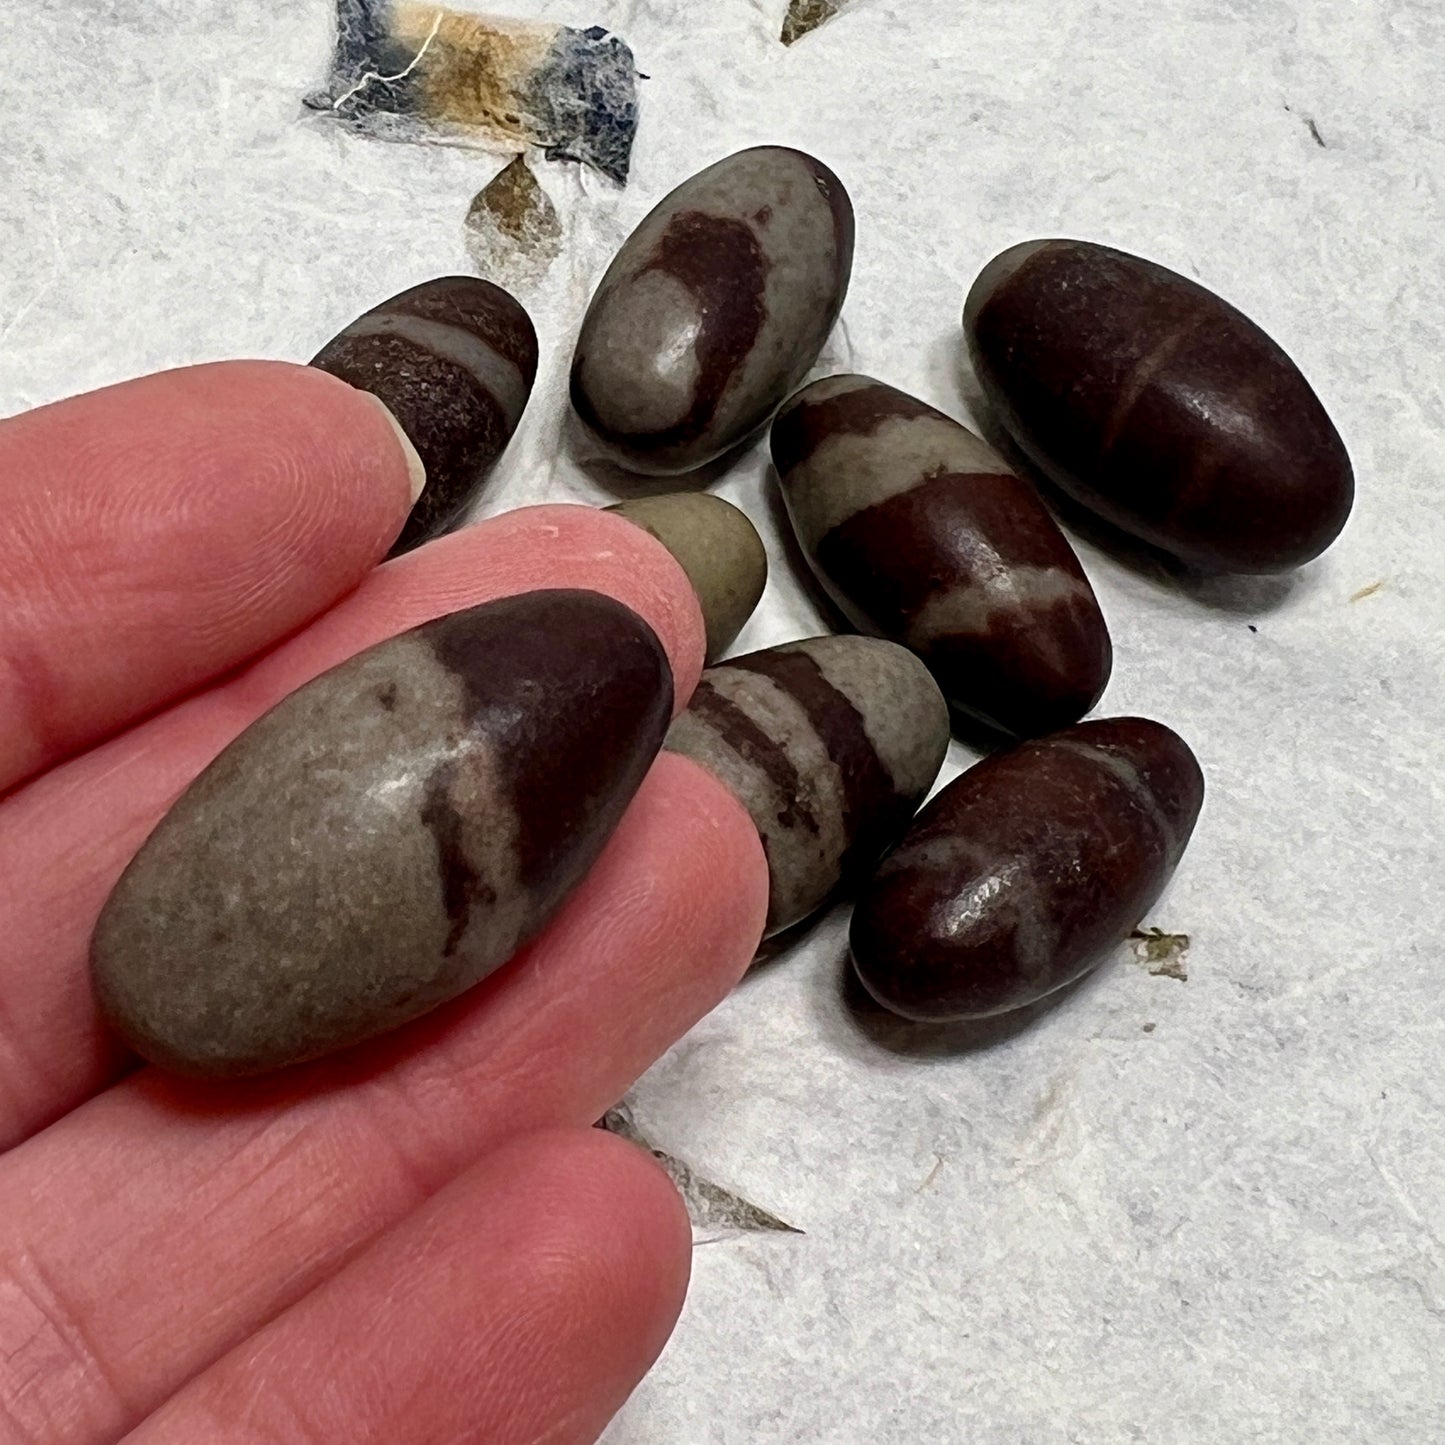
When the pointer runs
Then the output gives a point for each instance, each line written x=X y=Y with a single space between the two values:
x=804 y=864
x=1134 y=785
x=984 y=884
x=848 y=472
x=970 y=608
x=905 y=719
x=491 y=829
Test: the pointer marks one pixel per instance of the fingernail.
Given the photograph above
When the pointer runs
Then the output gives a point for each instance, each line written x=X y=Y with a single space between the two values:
x=416 y=469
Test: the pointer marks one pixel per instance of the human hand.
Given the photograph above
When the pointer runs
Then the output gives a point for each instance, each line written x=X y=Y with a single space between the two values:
x=418 y=1240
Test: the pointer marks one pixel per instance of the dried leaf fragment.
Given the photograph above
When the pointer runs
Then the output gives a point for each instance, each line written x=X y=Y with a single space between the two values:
x=1162 y=953
x=513 y=231
x=805 y=16
x=709 y=1205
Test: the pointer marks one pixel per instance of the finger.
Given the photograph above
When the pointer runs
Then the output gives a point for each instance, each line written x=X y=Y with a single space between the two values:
x=523 y=1303
x=157 y=533
x=163 y=1222
x=65 y=838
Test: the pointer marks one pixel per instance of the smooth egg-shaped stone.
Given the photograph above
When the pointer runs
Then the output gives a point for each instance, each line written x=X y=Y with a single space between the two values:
x=713 y=310
x=1020 y=874
x=384 y=837
x=830 y=744
x=454 y=359
x=1157 y=405
x=719 y=549
x=921 y=534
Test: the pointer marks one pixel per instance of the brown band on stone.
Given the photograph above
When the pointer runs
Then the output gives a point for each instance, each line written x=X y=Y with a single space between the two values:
x=523 y=663
x=721 y=263
x=868 y=790
x=802 y=427
x=756 y=747
x=462 y=886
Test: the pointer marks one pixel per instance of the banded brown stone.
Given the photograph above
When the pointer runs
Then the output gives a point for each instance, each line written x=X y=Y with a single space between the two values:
x=454 y=359
x=713 y=310
x=920 y=533
x=383 y=838
x=830 y=744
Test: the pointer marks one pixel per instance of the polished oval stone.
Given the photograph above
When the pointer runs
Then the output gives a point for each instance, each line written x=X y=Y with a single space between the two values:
x=1020 y=875
x=719 y=549
x=454 y=359
x=830 y=744
x=921 y=534
x=713 y=310
x=384 y=837
x=1157 y=405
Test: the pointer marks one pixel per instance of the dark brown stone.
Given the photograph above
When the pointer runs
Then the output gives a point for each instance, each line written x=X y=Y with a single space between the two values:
x=385 y=837
x=1020 y=874
x=922 y=535
x=1156 y=404
x=713 y=310
x=454 y=359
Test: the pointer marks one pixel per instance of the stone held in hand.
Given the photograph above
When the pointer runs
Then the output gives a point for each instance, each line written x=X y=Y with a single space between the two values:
x=454 y=359
x=719 y=549
x=384 y=837
x=713 y=310
x=922 y=534
x=1159 y=406
x=1019 y=876
x=830 y=744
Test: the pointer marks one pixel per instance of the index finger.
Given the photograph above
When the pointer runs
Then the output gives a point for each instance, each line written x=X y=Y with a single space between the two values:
x=157 y=533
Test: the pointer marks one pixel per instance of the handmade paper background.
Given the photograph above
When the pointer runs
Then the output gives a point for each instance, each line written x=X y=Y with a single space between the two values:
x=1202 y=1211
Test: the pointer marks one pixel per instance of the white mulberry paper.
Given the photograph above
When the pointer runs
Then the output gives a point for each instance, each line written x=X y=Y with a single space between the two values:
x=1202 y=1211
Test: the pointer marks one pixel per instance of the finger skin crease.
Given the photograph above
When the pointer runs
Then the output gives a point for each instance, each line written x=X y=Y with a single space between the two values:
x=49 y=1363
x=402 y=1130
x=565 y=1431
x=371 y=1179
x=28 y=685
x=23 y=1082
x=27 y=1080
x=258 y=1172
x=269 y=1412
x=226 y=604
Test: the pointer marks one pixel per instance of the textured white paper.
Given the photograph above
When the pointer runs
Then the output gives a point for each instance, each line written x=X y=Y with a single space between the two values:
x=1197 y=1211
